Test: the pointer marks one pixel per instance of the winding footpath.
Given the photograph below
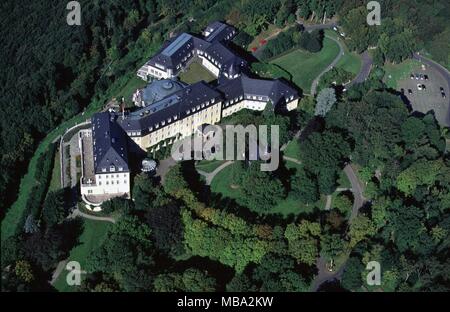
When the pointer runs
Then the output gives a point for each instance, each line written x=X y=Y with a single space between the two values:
x=329 y=67
x=323 y=274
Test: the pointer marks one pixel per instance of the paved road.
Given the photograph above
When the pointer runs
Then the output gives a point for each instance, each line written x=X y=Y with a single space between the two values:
x=364 y=72
x=329 y=67
x=310 y=28
x=356 y=190
x=444 y=72
x=323 y=274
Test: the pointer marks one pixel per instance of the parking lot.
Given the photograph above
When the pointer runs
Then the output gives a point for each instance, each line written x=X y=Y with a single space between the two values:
x=430 y=98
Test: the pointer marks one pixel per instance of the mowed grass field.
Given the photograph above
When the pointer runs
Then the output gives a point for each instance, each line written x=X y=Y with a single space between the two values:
x=350 y=61
x=289 y=206
x=196 y=72
x=209 y=165
x=293 y=149
x=94 y=233
x=306 y=66
x=396 y=72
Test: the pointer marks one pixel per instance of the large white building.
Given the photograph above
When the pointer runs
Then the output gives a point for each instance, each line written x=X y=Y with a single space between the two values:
x=177 y=110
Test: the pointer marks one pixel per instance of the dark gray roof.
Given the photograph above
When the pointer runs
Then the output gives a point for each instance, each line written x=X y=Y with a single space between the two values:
x=175 y=50
x=219 y=31
x=273 y=90
x=177 y=105
x=110 y=143
x=159 y=89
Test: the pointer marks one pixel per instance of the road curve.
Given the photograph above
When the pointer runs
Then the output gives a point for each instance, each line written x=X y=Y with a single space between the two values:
x=444 y=72
x=366 y=67
x=329 y=67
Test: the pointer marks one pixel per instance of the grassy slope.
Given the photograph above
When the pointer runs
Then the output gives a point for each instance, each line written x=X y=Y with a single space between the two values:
x=94 y=233
x=55 y=182
x=350 y=61
x=305 y=66
x=396 y=72
x=128 y=90
x=292 y=149
x=209 y=165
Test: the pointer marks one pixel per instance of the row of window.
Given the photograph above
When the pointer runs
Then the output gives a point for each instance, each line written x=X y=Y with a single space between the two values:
x=112 y=169
x=112 y=182
x=107 y=176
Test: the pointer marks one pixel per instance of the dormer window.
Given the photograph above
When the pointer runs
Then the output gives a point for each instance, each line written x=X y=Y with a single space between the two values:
x=112 y=168
x=103 y=169
x=120 y=168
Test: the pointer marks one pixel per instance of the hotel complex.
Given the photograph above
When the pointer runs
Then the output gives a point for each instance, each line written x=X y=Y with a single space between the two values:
x=169 y=109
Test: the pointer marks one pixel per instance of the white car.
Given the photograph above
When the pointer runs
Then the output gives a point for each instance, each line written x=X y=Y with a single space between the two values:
x=419 y=86
x=335 y=28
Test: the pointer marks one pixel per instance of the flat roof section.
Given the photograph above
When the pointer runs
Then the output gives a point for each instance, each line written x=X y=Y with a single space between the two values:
x=177 y=44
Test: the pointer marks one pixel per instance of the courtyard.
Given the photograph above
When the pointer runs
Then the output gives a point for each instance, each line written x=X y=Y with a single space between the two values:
x=195 y=72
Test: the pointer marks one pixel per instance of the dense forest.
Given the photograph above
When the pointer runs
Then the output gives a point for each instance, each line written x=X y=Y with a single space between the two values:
x=180 y=237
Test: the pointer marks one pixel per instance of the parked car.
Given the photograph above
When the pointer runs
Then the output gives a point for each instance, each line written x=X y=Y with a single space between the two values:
x=409 y=91
x=419 y=86
x=443 y=95
x=411 y=76
x=402 y=91
x=417 y=77
x=426 y=77
x=442 y=89
x=335 y=28
x=421 y=76
x=424 y=87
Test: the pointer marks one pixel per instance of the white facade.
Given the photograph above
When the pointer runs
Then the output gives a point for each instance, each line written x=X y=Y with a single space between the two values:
x=117 y=183
x=157 y=72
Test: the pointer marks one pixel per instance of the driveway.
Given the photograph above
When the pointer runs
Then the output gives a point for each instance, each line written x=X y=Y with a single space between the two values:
x=364 y=72
x=329 y=67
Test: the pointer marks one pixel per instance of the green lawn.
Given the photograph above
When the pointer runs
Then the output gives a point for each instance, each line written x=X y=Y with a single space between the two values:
x=343 y=181
x=396 y=72
x=293 y=149
x=196 y=72
x=55 y=182
x=209 y=165
x=305 y=66
x=350 y=61
x=94 y=233
x=221 y=184
x=128 y=89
